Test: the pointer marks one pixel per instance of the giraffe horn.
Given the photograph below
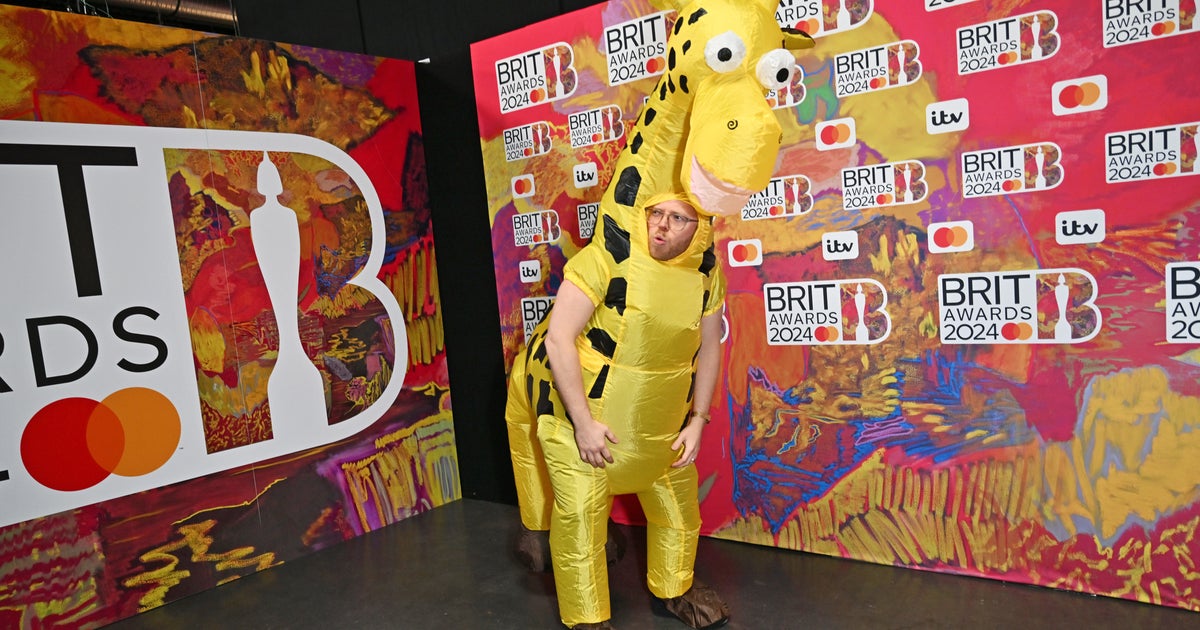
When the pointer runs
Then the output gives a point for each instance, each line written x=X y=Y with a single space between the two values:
x=794 y=39
x=664 y=5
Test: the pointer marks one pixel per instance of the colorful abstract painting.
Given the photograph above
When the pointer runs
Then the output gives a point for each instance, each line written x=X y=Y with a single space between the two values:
x=962 y=319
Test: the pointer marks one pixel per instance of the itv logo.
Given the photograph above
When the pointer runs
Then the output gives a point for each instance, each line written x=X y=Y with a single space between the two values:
x=948 y=116
x=839 y=245
x=1079 y=227
x=530 y=271
x=586 y=175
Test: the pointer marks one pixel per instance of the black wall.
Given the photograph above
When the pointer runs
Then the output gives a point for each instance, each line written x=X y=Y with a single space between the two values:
x=441 y=32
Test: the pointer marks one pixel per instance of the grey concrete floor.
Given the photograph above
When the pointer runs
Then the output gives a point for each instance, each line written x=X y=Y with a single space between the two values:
x=453 y=568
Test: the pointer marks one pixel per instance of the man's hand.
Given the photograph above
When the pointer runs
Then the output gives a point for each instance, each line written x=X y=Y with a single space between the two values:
x=689 y=441
x=592 y=438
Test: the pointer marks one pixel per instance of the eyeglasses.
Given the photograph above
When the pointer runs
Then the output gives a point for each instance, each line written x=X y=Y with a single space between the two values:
x=677 y=222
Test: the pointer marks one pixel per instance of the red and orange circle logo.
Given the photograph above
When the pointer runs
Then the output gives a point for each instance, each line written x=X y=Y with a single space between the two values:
x=75 y=443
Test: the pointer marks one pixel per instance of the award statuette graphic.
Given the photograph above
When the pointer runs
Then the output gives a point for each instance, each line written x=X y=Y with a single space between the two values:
x=860 y=302
x=150 y=358
x=558 y=86
x=1062 y=293
x=295 y=388
x=843 y=16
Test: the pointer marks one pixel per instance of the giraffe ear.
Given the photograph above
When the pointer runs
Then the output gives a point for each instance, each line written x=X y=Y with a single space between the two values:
x=794 y=39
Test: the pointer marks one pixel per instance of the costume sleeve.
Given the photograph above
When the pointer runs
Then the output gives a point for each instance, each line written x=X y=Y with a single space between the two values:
x=716 y=292
x=589 y=270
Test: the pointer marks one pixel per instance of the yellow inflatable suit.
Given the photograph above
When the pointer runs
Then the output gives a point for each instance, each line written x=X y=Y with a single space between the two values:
x=706 y=136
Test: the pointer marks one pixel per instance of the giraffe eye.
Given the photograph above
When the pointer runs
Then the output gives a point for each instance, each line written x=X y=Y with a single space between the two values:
x=725 y=52
x=776 y=69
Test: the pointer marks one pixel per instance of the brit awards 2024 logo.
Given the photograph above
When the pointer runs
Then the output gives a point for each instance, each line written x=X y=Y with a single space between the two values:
x=1009 y=170
x=533 y=309
x=1008 y=42
x=535 y=228
x=535 y=77
x=784 y=197
x=842 y=312
x=1134 y=21
x=637 y=48
x=1039 y=306
x=594 y=126
x=1154 y=153
x=586 y=214
x=527 y=141
x=98 y=370
x=877 y=68
x=1183 y=302
x=937 y=5
x=823 y=17
x=881 y=185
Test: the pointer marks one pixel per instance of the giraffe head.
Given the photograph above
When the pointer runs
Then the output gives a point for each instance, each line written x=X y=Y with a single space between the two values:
x=723 y=57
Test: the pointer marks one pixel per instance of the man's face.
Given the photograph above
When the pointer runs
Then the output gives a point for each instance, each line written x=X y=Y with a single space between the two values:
x=670 y=227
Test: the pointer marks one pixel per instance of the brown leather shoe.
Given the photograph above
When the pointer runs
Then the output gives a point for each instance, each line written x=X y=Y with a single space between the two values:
x=603 y=625
x=700 y=607
x=614 y=546
x=533 y=548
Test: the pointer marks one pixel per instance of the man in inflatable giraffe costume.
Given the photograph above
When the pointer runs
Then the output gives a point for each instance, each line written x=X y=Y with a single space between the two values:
x=613 y=391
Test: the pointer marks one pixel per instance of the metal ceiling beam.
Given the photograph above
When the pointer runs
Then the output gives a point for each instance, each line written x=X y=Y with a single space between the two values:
x=212 y=13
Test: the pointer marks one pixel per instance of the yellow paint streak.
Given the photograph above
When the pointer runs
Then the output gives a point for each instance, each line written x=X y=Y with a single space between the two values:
x=385 y=486
x=195 y=541
x=415 y=285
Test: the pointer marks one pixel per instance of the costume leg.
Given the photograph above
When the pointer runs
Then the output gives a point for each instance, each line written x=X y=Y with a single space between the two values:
x=529 y=469
x=672 y=530
x=577 y=526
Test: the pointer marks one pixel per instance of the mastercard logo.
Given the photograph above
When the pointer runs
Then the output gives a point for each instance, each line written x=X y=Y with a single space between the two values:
x=1006 y=58
x=655 y=65
x=826 y=334
x=537 y=95
x=1076 y=96
x=745 y=253
x=523 y=186
x=951 y=236
x=812 y=26
x=1017 y=331
x=835 y=134
x=1165 y=169
x=75 y=443
x=1162 y=28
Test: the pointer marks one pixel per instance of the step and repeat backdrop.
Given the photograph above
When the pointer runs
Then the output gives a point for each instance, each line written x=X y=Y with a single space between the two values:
x=221 y=343
x=963 y=318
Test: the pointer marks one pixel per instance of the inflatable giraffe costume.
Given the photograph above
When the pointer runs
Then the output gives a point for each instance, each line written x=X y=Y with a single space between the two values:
x=707 y=136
